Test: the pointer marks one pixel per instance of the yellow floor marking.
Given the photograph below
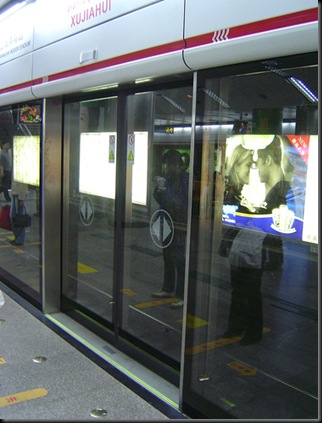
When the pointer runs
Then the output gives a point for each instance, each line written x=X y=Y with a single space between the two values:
x=128 y=292
x=211 y=345
x=194 y=322
x=22 y=396
x=243 y=370
x=215 y=344
x=225 y=401
x=82 y=268
x=154 y=303
x=2 y=361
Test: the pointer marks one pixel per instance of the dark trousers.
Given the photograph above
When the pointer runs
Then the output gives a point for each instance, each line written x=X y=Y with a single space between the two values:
x=174 y=265
x=246 y=307
x=6 y=184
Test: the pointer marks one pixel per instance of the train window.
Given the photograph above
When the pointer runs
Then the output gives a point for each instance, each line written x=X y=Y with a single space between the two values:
x=252 y=336
x=20 y=135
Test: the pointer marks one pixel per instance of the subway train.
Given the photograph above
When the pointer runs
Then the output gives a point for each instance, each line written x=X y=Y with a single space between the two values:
x=168 y=151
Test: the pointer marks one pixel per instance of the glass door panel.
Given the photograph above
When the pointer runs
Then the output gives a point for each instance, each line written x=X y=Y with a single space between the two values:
x=90 y=172
x=157 y=184
x=20 y=164
x=256 y=354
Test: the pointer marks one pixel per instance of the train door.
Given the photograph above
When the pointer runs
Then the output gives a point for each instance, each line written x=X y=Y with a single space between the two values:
x=125 y=205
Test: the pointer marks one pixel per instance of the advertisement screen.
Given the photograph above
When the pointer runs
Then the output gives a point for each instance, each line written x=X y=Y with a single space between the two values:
x=26 y=159
x=98 y=164
x=272 y=184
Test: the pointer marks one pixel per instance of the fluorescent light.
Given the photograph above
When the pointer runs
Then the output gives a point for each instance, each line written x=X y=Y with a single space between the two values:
x=174 y=104
x=304 y=89
x=215 y=97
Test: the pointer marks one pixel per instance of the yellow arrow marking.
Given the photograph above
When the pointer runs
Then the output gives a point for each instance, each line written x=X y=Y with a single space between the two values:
x=154 y=303
x=243 y=370
x=22 y=396
x=128 y=292
x=215 y=344
x=194 y=322
x=82 y=268
x=2 y=361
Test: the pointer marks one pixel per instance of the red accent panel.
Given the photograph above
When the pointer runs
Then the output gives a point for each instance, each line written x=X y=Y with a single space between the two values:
x=119 y=60
x=27 y=84
x=284 y=21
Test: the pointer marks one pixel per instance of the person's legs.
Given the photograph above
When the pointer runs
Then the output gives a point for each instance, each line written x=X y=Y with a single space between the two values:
x=19 y=233
x=236 y=323
x=179 y=255
x=169 y=275
x=254 y=307
x=6 y=185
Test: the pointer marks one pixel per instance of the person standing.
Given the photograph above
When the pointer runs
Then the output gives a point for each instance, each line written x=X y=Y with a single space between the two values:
x=6 y=164
x=173 y=198
x=244 y=248
x=19 y=193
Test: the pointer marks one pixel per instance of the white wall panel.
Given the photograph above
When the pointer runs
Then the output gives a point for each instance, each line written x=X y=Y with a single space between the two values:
x=170 y=64
x=16 y=74
x=205 y=16
x=150 y=27
x=16 y=35
x=72 y=16
x=283 y=42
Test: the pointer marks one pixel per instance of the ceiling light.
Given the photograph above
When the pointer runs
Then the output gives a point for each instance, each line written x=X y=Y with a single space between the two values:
x=304 y=89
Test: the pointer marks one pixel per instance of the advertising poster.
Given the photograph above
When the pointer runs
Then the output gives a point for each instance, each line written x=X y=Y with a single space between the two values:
x=26 y=159
x=272 y=184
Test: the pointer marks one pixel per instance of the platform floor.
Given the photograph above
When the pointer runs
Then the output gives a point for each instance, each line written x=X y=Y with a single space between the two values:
x=47 y=374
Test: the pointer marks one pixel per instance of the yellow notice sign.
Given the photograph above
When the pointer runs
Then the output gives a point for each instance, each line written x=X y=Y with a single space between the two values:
x=22 y=396
x=2 y=361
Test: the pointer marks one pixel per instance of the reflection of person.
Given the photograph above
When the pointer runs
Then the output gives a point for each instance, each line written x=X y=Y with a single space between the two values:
x=6 y=164
x=278 y=191
x=19 y=193
x=89 y=118
x=173 y=198
x=245 y=314
x=185 y=161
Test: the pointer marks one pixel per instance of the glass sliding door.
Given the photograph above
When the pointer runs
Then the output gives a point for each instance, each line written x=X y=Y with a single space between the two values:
x=20 y=159
x=157 y=186
x=90 y=142
x=253 y=269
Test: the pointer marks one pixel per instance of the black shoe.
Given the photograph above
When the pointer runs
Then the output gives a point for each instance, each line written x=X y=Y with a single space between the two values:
x=249 y=340
x=13 y=242
x=232 y=333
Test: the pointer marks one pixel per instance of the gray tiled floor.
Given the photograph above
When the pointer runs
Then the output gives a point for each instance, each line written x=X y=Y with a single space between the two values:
x=75 y=385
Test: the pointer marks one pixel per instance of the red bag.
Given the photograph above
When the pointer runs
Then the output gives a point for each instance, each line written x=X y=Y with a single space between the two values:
x=5 y=221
